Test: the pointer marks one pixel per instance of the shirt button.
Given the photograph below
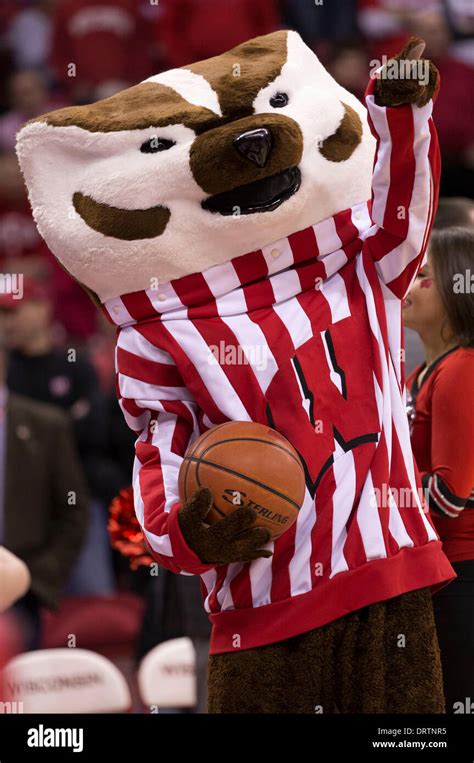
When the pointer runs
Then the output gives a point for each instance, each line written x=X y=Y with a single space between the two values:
x=162 y=297
x=116 y=310
x=275 y=252
x=357 y=216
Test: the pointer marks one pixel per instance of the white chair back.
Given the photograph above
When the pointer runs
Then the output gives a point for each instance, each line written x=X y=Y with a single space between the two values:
x=65 y=681
x=167 y=676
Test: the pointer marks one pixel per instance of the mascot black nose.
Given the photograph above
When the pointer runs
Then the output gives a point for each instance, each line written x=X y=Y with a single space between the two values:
x=255 y=145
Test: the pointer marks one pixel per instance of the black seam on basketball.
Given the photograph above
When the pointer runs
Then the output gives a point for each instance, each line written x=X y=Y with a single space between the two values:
x=244 y=477
x=253 y=439
x=219 y=511
x=185 y=479
x=202 y=437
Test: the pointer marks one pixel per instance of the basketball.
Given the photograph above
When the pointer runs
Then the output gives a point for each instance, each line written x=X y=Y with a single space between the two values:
x=246 y=464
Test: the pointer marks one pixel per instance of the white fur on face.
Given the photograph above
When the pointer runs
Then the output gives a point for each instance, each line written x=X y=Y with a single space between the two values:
x=59 y=161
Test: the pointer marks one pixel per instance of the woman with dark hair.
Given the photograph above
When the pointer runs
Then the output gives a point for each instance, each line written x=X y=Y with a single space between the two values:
x=440 y=308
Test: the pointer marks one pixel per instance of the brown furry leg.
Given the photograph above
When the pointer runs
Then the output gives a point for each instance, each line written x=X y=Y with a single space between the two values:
x=389 y=661
x=292 y=676
x=381 y=659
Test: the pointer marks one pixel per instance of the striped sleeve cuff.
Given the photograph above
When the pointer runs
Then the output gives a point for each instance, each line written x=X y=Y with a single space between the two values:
x=440 y=499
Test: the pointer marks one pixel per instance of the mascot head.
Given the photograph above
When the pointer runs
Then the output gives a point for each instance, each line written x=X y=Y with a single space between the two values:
x=196 y=165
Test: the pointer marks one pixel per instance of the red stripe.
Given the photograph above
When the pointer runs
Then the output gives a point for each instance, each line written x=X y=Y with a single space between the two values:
x=194 y=290
x=138 y=304
x=241 y=589
x=250 y=267
x=284 y=549
x=304 y=245
x=346 y=230
x=146 y=370
x=245 y=385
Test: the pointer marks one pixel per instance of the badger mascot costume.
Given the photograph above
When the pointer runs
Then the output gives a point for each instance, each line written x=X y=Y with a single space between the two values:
x=250 y=201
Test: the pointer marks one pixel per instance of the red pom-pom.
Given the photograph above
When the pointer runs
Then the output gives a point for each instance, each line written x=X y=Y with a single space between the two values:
x=125 y=533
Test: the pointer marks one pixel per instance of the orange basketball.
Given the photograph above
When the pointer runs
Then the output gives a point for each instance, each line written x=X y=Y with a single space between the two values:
x=246 y=464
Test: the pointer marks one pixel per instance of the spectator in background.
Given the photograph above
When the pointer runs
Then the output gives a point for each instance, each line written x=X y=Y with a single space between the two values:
x=460 y=16
x=22 y=250
x=106 y=43
x=321 y=22
x=451 y=212
x=64 y=379
x=454 y=211
x=28 y=97
x=21 y=247
x=386 y=23
x=349 y=63
x=43 y=506
x=453 y=110
x=192 y=30
x=29 y=34
x=440 y=308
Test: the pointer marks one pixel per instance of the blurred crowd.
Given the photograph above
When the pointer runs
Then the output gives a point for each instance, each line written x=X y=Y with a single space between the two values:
x=60 y=52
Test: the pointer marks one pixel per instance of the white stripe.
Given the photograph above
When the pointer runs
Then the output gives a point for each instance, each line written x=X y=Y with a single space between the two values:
x=327 y=237
x=400 y=423
x=218 y=275
x=396 y=525
x=232 y=303
x=194 y=88
x=165 y=300
x=161 y=439
x=360 y=218
x=260 y=572
x=131 y=340
x=368 y=520
x=137 y=423
x=118 y=312
x=299 y=568
x=335 y=293
x=286 y=285
x=381 y=174
x=295 y=320
x=159 y=543
x=212 y=375
x=255 y=348
x=141 y=391
x=342 y=501
x=375 y=328
x=393 y=310
x=209 y=579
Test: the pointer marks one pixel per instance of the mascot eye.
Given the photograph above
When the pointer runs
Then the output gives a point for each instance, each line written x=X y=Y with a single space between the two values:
x=279 y=100
x=153 y=145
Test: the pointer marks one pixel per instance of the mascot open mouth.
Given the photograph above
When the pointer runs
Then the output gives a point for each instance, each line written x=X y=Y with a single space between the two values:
x=260 y=196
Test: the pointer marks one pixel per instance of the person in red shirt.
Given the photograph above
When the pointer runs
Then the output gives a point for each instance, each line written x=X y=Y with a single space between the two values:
x=191 y=30
x=107 y=43
x=440 y=308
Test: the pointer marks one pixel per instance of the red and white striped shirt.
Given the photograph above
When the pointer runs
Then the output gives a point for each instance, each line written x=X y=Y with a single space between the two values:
x=317 y=316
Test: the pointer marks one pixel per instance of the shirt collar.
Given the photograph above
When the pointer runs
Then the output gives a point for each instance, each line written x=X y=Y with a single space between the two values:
x=331 y=243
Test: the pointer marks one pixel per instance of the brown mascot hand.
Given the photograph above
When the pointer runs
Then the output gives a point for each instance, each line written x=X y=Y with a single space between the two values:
x=409 y=86
x=228 y=540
